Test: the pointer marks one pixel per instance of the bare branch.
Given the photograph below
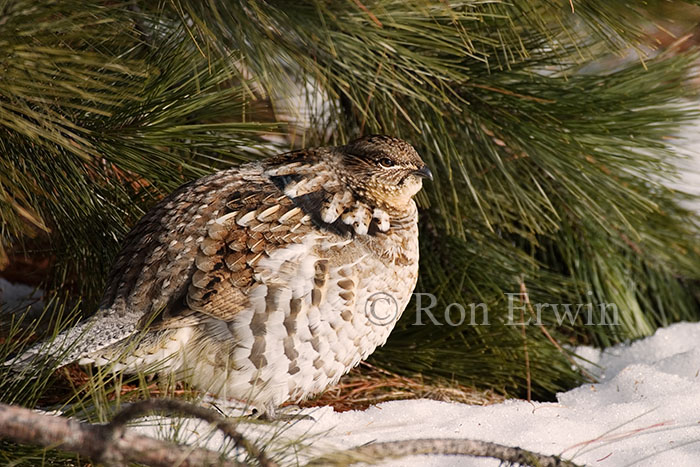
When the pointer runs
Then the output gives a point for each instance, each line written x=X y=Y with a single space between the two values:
x=465 y=447
x=101 y=443
x=141 y=408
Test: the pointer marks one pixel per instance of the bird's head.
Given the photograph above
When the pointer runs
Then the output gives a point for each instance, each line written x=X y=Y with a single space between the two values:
x=384 y=170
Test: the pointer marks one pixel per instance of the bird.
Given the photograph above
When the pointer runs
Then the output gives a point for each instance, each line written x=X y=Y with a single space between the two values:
x=265 y=282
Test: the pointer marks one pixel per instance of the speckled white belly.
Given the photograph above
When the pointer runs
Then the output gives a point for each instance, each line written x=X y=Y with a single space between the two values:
x=306 y=327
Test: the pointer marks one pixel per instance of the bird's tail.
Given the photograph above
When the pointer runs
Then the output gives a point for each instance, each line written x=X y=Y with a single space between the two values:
x=117 y=342
x=74 y=344
x=64 y=348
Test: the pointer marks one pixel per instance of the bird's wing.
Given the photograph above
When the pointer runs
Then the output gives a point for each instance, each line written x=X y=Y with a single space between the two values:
x=216 y=244
x=151 y=273
x=257 y=240
x=203 y=251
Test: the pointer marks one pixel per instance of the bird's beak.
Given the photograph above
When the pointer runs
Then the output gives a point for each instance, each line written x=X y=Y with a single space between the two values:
x=424 y=172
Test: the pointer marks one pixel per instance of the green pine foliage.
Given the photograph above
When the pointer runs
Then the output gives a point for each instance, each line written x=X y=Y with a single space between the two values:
x=549 y=173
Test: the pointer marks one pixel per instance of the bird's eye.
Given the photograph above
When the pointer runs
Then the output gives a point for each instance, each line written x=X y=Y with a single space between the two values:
x=386 y=162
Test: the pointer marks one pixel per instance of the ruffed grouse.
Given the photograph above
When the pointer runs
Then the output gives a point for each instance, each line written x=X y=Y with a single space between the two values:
x=269 y=281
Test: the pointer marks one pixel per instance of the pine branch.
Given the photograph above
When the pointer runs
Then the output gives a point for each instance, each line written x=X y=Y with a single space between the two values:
x=549 y=166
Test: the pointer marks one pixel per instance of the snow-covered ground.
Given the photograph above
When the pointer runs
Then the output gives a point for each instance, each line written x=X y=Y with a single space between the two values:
x=644 y=411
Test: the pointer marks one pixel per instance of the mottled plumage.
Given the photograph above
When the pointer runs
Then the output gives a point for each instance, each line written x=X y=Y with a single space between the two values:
x=254 y=281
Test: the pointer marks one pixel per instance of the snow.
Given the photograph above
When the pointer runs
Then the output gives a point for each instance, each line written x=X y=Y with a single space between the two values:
x=645 y=410
x=687 y=146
